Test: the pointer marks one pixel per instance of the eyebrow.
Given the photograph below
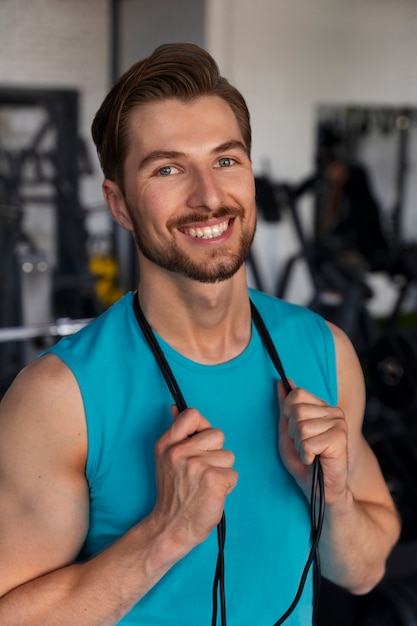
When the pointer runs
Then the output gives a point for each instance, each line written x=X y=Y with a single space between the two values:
x=157 y=155
x=230 y=145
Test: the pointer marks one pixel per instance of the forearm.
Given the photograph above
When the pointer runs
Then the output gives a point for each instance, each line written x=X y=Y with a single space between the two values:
x=356 y=540
x=98 y=592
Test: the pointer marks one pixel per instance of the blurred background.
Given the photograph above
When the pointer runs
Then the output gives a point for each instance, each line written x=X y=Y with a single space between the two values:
x=332 y=90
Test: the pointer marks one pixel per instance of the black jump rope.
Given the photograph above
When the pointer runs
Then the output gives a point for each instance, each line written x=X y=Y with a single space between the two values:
x=317 y=485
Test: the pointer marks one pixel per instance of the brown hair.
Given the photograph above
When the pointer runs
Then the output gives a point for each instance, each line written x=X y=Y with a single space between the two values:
x=179 y=70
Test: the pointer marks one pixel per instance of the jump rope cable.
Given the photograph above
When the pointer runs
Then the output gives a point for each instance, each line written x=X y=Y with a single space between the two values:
x=317 y=487
x=218 y=584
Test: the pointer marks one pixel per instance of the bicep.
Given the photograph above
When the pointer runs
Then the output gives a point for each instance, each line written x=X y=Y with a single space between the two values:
x=365 y=477
x=43 y=490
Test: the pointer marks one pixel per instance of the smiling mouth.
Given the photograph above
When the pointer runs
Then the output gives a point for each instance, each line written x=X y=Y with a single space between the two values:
x=207 y=232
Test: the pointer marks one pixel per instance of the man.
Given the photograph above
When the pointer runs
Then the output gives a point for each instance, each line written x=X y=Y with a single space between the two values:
x=109 y=494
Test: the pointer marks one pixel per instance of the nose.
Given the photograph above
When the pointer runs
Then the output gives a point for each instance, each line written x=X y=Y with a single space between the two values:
x=206 y=191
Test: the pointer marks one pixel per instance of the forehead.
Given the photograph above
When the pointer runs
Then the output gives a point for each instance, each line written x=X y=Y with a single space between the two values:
x=174 y=123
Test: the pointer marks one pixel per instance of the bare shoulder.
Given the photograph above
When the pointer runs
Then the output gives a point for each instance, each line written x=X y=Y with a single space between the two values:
x=45 y=401
x=350 y=379
x=44 y=398
x=43 y=490
x=46 y=371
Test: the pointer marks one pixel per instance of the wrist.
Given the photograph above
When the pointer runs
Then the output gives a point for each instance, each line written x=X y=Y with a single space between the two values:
x=166 y=541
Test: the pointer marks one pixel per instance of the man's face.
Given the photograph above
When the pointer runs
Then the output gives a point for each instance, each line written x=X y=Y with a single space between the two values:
x=189 y=188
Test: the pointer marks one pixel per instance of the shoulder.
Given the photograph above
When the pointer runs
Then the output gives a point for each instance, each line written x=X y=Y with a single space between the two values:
x=47 y=377
x=296 y=322
x=270 y=305
x=304 y=342
x=346 y=357
x=99 y=341
x=279 y=312
x=44 y=405
x=351 y=384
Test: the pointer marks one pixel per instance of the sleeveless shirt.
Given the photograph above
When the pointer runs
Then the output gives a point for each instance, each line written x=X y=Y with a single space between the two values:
x=127 y=408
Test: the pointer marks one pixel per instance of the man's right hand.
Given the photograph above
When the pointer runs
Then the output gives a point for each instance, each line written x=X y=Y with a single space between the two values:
x=194 y=476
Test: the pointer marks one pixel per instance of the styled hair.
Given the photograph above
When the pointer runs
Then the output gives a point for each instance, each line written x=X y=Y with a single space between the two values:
x=178 y=70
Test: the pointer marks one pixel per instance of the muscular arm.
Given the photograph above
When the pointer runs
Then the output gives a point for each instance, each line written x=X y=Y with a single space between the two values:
x=44 y=506
x=361 y=524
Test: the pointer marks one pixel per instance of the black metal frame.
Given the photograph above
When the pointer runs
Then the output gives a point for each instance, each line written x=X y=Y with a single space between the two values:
x=55 y=168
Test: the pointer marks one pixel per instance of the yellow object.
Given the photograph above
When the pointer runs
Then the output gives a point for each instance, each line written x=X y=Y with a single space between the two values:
x=104 y=268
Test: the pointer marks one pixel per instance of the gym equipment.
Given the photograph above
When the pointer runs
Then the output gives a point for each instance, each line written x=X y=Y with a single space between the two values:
x=59 y=328
x=392 y=364
x=389 y=358
x=340 y=292
x=41 y=161
x=45 y=171
x=35 y=336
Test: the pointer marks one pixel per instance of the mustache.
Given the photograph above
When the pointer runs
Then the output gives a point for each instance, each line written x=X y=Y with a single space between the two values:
x=201 y=217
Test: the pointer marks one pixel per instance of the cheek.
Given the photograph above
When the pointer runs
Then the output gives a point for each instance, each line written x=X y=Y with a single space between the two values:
x=249 y=201
x=151 y=214
x=154 y=201
x=247 y=186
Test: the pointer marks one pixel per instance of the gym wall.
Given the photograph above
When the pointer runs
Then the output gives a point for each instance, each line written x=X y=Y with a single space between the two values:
x=286 y=56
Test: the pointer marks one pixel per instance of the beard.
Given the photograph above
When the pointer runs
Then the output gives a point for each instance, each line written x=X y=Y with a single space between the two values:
x=219 y=264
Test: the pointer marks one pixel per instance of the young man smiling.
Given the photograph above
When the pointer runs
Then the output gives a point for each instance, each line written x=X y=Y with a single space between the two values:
x=109 y=493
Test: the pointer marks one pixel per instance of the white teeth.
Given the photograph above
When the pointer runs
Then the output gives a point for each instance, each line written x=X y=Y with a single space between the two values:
x=208 y=232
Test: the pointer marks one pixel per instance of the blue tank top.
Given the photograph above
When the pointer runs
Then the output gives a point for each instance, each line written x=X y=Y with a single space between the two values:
x=127 y=406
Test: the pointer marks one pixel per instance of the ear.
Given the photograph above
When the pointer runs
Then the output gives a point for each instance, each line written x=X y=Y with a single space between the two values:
x=117 y=204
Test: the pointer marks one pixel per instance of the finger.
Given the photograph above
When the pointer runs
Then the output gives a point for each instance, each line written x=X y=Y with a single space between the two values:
x=309 y=420
x=208 y=440
x=188 y=423
x=174 y=411
x=299 y=399
x=329 y=444
x=219 y=458
x=300 y=396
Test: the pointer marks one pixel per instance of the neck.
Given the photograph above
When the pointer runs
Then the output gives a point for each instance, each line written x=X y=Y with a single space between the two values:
x=208 y=323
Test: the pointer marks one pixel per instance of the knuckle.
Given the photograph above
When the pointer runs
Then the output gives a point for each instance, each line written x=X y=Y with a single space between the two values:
x=298 y=395
x=340 y=424
x=191 y=413
x=174 y=454
x=230 y=457
x=209 y=478
x=218 y=435
x=308 y=448
x=299 y=413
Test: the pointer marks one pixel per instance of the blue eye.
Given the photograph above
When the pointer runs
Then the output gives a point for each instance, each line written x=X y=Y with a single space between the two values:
x=167 y=170
x=226 y=162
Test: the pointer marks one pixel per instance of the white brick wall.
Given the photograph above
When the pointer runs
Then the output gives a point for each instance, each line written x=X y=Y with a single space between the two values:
x=59 y=43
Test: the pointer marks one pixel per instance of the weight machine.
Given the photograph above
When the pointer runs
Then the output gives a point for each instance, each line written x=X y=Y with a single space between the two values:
x=41 y=161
